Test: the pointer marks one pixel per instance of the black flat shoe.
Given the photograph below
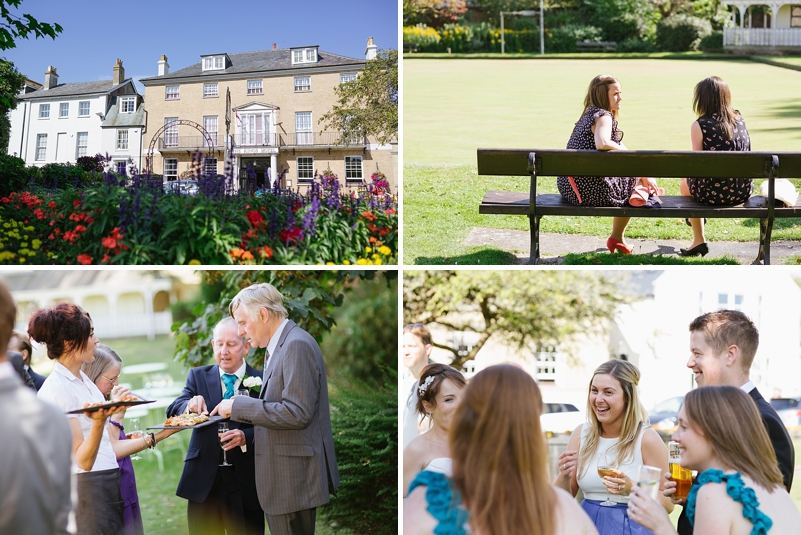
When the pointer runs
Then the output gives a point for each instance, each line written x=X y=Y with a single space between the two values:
x=702 y=250
x=686 y=220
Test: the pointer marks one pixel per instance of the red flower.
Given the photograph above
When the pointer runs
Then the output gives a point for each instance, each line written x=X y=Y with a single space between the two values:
x=372 y=227
x=5 y=199
x=255 y=217
x=266 y=252
x=383 y=231
x=77 y=203
x=84 y=259
x=390 y=211
x=109 y=243
x=368 y=215
x=106 y=258
x=52 y=204
x=80 y=228
x=290 y=235
x=38 y=213
x=51 y=237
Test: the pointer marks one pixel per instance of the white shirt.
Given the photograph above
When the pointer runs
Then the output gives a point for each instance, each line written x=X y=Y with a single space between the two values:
x=273 y=343
x=240 y=373
x=67 y=392
x=590 y=483
x=747 y=387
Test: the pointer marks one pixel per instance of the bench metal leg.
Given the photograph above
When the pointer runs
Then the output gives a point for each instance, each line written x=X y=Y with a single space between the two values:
x=765 y=229
x=534 y=230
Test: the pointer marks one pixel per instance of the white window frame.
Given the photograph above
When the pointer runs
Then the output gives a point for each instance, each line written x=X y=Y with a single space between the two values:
x=305 y=166
x=304 y=55
x=63 y=110
x=171 y=167
x=303 y=128
x=121 y=164
x=302 y=84
x=44 y=111
x=211 y=90
x=210 y=124
x=255 y=87
x=81 y=144
x=172 y=92
x=127 y=104
x=208 y=167
x=351 y=171
x=170 y=133
x=547 y=362
x=122 y=139
x=41 y=147
x=84 y=108
x=347 y=77
x=214 y=63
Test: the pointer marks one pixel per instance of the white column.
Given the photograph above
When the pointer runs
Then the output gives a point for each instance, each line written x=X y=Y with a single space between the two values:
x=151 y=318
x=774 y=14
x=274 y=168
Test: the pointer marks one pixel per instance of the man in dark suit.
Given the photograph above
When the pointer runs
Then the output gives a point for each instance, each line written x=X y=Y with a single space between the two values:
x=296 y=468
x=21 y=342
x=220 y=498
x=722 y=348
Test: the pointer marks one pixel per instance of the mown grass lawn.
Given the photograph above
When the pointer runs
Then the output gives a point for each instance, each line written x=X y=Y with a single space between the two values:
x=453 y=107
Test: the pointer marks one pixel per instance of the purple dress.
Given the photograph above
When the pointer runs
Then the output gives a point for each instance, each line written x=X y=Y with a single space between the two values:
x=130 y=499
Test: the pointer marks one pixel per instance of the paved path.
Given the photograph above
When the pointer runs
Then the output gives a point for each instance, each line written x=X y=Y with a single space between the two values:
x=554 y=245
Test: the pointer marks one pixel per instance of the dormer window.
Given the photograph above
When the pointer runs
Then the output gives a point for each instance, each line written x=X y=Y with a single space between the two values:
x=214 y=63
x=304 y=55
x=127 y=104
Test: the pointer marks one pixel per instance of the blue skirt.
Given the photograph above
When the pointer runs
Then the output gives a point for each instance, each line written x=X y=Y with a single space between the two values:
x=612 y=520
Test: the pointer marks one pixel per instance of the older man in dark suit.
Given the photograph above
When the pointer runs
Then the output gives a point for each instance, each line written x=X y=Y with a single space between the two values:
x=722 y=348
x=220 y=498
x=296 y=468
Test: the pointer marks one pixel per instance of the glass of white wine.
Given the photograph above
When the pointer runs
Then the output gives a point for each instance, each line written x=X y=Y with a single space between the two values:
x=222 y=428
x=136 y=432
x=607 y=462
x=648 y=478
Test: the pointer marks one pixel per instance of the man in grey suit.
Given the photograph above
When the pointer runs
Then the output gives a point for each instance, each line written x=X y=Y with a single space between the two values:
x=35 y=457
x=296 y=468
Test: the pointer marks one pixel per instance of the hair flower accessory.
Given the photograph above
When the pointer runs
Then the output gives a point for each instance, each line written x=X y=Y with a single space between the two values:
x=252 y=383
x=423 y=387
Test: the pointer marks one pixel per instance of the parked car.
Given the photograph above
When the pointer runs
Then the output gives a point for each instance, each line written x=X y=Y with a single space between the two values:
x=664 y=416
x=182 y=187
x=560 y=418
x=789 y=410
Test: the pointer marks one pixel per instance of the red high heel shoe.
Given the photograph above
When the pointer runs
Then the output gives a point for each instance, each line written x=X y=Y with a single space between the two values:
x=614 y=245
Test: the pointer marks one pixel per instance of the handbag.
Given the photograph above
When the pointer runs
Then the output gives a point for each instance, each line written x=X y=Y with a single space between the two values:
x=640 y=195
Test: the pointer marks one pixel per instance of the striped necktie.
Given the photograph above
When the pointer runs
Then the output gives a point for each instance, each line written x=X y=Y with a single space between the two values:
x=264 y=372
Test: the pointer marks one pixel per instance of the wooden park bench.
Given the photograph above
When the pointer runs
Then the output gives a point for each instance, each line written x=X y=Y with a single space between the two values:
x=596 y=46
x=537 y=163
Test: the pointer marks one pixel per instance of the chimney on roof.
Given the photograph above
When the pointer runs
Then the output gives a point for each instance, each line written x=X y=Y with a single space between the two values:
x=119 y=73
x=51 y=78
x=371 y=50
x=164 y=67
x=274 y=45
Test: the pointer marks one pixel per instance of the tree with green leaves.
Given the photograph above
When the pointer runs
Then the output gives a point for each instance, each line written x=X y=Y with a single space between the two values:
x=23 y=26
x=520 y=307
x=11 y=83
x=368 y=105
x=432 y=13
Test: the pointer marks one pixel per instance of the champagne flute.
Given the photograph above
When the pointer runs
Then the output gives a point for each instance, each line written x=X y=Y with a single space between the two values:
x=607 y=461
x=136 y=432
x=222 y=428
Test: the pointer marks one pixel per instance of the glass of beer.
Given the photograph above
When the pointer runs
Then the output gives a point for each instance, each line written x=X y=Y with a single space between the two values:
x=682 y=476
x=607 y=461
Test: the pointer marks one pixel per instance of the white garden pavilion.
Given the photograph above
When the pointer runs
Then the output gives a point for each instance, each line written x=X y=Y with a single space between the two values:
x=778 y=27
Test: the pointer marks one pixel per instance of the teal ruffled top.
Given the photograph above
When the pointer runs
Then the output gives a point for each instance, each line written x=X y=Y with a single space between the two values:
x=444 y=503
x=737 y=490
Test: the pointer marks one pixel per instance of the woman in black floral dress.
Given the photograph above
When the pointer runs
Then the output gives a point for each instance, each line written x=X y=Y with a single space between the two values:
x=597 y=129
x=719 y=127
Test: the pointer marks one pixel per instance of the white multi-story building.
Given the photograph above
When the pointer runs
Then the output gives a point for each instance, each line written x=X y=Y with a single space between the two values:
x=58 y=123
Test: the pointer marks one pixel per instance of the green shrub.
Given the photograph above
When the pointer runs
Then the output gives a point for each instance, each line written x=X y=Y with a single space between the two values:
x=712 y=42
x=634 y=44
x=679 y=33
x=620 y=20
x=64 y=176
x=365 y=426
x=427 y=39
x=13 y=174
x=564 y=39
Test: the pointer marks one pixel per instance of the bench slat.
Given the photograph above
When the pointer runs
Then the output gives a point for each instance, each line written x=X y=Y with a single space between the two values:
x=517 y=203
x=553 y=162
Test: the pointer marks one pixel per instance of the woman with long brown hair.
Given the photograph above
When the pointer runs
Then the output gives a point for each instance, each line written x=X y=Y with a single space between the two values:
x=500 y=467
x=739 y=489
x=597 y=129
x=719 y=127
x=617 y=430
x=69 y=335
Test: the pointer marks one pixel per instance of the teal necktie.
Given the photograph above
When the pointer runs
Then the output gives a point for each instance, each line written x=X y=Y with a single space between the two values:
x=229 y=379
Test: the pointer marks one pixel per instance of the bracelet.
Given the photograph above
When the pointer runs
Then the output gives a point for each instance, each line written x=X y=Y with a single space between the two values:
x=153 y=439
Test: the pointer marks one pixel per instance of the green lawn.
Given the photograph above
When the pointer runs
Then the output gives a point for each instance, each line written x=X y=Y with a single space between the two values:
x=453 y=107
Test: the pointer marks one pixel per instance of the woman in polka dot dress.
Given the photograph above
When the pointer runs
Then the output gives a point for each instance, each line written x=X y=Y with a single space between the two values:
x=719 y=127
x=597 y=130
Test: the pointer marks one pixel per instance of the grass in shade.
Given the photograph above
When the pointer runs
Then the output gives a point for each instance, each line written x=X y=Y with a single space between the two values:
x=453 y=107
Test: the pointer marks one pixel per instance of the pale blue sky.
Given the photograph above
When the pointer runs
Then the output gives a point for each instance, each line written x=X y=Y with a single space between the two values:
x=97 y=32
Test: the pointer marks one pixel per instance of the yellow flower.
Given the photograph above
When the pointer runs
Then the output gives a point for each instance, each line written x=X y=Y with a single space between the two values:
x=368 y=250
x=378 y=262
x=37 y=243
x=384 y=250
x=362 y=261
x=329 y=263
x=194 y=262
x=21 y=260
x=23 y=244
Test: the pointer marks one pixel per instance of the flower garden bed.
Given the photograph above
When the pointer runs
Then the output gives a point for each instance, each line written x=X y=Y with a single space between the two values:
x=134 y=222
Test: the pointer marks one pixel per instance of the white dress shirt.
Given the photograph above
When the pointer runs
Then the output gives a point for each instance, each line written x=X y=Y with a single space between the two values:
x=273 y=343
x=240 y=373
x=68 y=392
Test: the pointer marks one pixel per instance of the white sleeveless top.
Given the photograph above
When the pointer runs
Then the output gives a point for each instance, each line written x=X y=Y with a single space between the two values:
x=443 y=465
x=591 y=483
